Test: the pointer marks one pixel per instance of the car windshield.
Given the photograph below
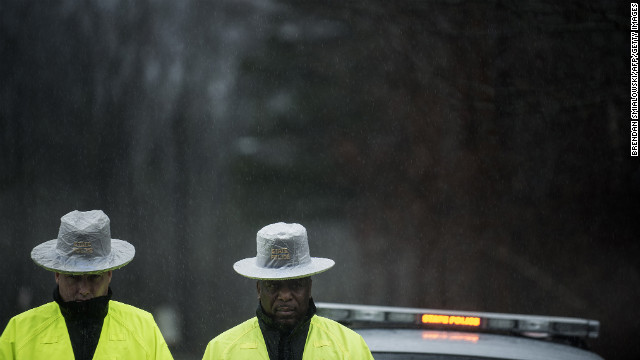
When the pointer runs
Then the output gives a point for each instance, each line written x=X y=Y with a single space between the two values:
x=410 y=356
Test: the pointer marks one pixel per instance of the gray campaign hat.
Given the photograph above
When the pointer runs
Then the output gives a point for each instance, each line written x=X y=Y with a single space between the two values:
x=84 y=246
x=282 y=253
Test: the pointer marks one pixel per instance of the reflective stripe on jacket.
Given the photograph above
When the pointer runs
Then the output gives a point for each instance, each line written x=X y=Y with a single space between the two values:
x=326 y=340
x=41 y=333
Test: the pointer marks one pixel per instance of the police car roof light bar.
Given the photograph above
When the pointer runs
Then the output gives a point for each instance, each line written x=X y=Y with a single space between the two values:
x=529 y=325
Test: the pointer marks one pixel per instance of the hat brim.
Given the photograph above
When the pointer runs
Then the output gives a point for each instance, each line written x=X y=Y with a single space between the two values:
x=248 y=268
x=46 y=256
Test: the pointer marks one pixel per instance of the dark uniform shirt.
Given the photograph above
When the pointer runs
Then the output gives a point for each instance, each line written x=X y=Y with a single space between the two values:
x=285 y=344
x=84 y=321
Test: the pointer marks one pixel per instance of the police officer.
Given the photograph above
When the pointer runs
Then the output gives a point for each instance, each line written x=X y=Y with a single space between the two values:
x=83 y=322
x=285 y=326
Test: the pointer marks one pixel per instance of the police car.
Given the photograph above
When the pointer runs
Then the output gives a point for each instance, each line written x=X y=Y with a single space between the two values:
x=428 y=334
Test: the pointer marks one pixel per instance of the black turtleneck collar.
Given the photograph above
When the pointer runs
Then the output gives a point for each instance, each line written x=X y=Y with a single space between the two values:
x=285 y=343
x=96 y=308
x=84 y=321
x=268 y=321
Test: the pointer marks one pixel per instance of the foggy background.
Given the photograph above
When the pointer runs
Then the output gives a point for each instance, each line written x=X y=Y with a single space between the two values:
x=468 y=155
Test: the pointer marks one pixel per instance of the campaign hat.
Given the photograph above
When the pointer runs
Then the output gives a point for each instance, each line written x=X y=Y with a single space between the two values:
x=282 y=253
x=83 y=246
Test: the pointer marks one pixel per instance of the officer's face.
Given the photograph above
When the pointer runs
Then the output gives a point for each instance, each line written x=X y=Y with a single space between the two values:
x=83 y=287
x=285 y=301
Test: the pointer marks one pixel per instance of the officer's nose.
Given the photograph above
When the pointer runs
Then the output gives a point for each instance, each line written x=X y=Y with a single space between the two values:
x=284 y=293
x=83 y=286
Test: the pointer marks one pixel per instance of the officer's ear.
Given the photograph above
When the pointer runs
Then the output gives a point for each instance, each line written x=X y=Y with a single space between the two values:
x=258 y=288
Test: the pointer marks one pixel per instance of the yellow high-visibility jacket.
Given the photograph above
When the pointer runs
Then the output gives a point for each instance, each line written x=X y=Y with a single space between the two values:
x=326 y=339
x=41 y=333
